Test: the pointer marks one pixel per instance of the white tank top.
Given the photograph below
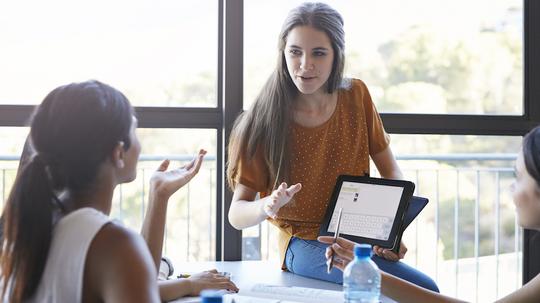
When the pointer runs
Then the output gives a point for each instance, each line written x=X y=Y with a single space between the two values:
x=62 y=279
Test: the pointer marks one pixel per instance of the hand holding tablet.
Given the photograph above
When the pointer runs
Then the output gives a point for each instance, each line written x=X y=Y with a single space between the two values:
x=374 y=210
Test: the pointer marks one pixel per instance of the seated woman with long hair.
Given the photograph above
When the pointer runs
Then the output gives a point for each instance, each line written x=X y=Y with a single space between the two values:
x=526 y=196
x=58 y=242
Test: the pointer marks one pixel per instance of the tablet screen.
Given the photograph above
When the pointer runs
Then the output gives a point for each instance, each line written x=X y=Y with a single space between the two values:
x=369 y=210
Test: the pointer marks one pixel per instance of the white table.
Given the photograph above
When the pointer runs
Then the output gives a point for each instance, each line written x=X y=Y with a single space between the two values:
x=247 y=273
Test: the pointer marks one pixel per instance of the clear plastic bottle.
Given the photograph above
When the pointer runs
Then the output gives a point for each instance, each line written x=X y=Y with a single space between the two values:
x=361 y=277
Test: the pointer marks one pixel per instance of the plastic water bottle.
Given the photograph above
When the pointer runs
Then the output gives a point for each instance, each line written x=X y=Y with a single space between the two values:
x=211 y=296
x=361 y=277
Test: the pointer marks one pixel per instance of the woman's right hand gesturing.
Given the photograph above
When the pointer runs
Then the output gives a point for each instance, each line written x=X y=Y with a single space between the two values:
x=279 y=197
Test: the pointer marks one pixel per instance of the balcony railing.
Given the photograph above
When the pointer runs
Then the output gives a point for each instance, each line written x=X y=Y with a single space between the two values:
x=467 y=238
x=190 y=232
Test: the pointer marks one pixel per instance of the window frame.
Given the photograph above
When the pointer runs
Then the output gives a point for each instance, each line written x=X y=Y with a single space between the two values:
x=230 y=103
x=221 y=118
x=502 y=125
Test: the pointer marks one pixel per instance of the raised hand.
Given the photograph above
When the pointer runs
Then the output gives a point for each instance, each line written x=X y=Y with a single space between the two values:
x=279 y=197
x=164 y=183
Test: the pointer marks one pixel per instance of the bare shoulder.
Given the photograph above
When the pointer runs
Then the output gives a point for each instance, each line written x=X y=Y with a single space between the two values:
x=119 y=267
x=117 y=239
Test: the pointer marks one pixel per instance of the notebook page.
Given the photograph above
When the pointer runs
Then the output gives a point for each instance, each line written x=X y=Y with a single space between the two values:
x=292 y=294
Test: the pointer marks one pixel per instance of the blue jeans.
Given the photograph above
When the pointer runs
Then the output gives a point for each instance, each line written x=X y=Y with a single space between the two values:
x=306 y=258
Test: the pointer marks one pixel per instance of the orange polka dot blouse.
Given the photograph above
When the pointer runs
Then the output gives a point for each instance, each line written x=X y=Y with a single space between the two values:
x=318 y=155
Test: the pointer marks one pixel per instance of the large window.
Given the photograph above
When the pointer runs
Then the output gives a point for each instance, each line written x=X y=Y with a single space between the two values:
x=147 y=49
x=452 y=79
x=191 y=216
x=467 y=238
x=415 y=56
x=170 y=72
x=453 y=82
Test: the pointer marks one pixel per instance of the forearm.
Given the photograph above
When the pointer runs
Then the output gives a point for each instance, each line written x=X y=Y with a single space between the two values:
x=174 y=289
x=403 y=291
x=395 y=174
x=387 y=165
x=153 y=228
x=390 y=169
x=244 y=214
x=530 y=292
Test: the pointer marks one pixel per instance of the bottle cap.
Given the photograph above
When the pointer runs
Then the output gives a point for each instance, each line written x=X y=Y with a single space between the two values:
x=211 y=296
x=362 y=250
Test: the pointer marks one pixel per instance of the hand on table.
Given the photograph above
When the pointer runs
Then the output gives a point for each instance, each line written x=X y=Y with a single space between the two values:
x=210 y=279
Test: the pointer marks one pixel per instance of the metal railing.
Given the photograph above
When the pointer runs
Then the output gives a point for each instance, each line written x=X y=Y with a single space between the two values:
x=190 y=232
x=460 y=239
x=447 y=241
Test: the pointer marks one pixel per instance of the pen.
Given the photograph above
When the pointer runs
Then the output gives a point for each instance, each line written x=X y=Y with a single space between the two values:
x=180 y=276
x=187 y=275
x=336 y=235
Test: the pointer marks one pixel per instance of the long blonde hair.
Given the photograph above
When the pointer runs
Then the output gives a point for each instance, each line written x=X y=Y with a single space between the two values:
x=266 y=124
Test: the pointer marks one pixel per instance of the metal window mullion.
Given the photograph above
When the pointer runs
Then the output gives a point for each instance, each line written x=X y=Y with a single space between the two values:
x=437 y=226
x=211 y=205
x=417 y=189
x=448 y=124
x=477 y=232
x=220 y=161
x=267 y=240
x=456 y=234
x=188 y=222
x=232 y=59
x=3 y=187
x=497 y=222
x=143 y=193
x=531 y=240
x=516 y=249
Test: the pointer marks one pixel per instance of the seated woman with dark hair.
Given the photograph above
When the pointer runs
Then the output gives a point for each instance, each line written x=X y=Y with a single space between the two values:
x=58 y=242
x=526 y=196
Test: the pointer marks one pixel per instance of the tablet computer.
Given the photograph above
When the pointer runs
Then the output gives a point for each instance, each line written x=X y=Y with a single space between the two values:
x=373 y=209
x=416 y=205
